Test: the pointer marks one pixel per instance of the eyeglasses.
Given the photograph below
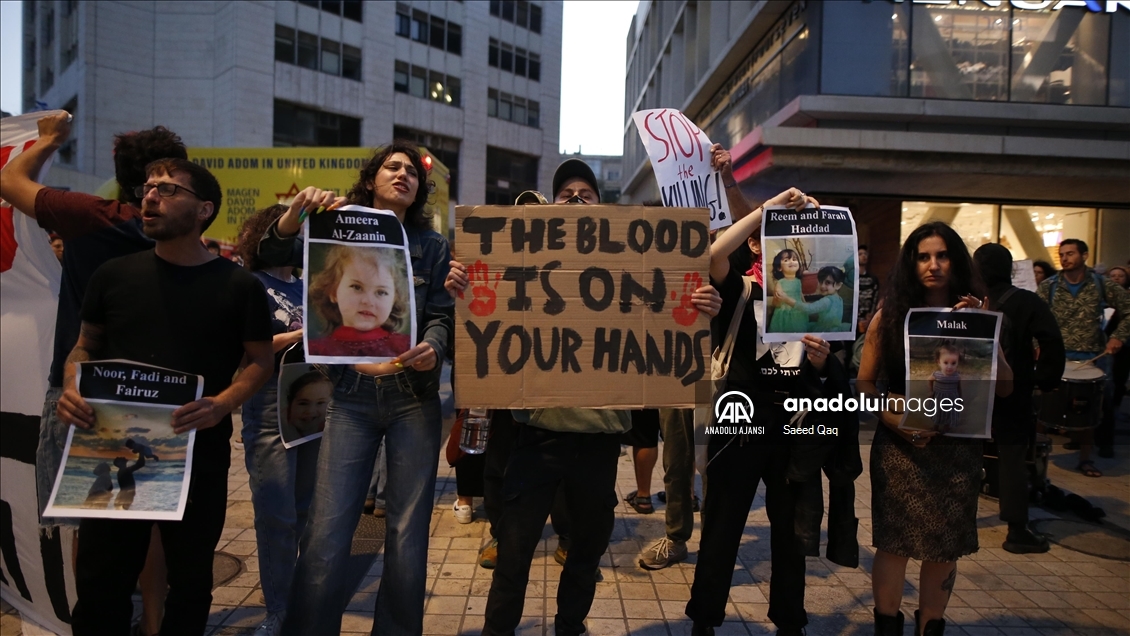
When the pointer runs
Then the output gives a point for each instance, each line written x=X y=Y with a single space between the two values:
x=166 y=190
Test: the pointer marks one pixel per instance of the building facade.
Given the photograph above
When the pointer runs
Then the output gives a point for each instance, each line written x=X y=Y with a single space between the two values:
x=477 y=83
x=608 y=170
x=1008 y=119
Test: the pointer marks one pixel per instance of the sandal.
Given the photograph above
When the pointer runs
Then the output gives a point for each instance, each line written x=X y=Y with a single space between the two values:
x=1088 y=469
x=641 y=505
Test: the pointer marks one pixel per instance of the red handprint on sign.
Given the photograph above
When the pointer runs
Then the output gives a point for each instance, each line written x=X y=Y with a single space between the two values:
x=686 y=313
x=484 y=296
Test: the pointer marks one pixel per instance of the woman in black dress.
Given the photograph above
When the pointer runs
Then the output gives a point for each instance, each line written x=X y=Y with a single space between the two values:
x=924 y=486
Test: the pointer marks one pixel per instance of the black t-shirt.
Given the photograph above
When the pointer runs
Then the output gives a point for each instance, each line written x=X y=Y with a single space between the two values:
x=191 y=319
x=94 y=231
x=755 y=368
x=868 y=294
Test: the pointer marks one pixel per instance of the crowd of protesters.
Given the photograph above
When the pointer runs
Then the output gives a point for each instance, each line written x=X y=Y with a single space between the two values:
x=228 y=322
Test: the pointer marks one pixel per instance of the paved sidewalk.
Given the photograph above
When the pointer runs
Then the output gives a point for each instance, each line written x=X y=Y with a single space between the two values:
x=1062 y=592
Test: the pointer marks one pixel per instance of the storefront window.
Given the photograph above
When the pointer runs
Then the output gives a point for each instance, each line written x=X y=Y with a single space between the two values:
x=960 y=51
x=875 y=65
x=1029 y=232
x=1059 y=57
x=1120 y=59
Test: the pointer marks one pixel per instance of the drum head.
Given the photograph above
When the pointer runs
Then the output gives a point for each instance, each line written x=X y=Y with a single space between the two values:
x=1077 y=371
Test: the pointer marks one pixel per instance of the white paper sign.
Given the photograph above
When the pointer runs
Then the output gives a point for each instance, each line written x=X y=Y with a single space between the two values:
x=680 y=156
x=1023 y=276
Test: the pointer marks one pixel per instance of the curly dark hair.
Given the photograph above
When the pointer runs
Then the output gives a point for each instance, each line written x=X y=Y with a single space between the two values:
x=135 y=150
x=1049 y=269
x=904 y=290
x=778 y=273
x=251 y=231
x=362 y=194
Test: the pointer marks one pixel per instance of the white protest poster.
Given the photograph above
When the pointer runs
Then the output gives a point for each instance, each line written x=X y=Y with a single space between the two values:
x=360 y=306
x=1023 y=276
x=130 y=464
x=304 y=395
x=807 y=256
x=680 y=156
x=951 y=370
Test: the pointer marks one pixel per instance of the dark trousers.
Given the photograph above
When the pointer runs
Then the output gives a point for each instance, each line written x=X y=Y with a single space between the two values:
x=111 y=554
x=503 y=436
x=734 y=473
x=1012 y=472
x=583 y=467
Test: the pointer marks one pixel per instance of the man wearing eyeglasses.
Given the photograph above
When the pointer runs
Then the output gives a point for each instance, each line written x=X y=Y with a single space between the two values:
x=181 y=307
x=93 y=230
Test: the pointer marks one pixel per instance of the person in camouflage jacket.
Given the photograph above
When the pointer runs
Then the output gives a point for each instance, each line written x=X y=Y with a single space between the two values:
x=1077 y=296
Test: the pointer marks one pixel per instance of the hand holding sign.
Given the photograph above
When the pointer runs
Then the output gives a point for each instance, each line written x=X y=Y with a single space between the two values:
x=304 y=202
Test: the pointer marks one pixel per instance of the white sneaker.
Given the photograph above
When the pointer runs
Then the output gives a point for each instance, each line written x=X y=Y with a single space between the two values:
x=463 y=514
x=270 y=627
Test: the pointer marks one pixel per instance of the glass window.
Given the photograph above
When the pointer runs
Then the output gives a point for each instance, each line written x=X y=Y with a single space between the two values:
x=520 y=114
x=454 y=92
x=332 y=6
x=454 y=38
x=505 y=107
x=418 y=84
x=534 y=72
x=960 y=51
x=403 y=25
x=298 y=126
x=523 y=12
x=520 y=62
x=492 y=103
x=331 y=57
x=351 y=62
x=420 y=27
x=492 y=53
x=435 y=86
x=875 y=65
x=534 y=117
x=974 y=222
x=506 y=61
x=508 y=10
x=494 y=7
x=1120 y=59
x=1059 y=57
x=437 y=32
x=311 y=3
x=400 y=77
x=535 y=18
x=284 y=44
x=798 y=66
x=308 y=50
x=351 y=10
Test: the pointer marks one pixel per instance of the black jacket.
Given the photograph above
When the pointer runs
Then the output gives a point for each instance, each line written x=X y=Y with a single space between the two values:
x=839 y=459
x=1027 y=317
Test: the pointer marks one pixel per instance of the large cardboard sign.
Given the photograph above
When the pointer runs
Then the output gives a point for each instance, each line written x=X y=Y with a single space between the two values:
x=580 y=306
x=680 y=156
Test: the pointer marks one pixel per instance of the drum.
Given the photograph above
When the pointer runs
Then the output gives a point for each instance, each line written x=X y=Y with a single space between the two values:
x=1077 y=403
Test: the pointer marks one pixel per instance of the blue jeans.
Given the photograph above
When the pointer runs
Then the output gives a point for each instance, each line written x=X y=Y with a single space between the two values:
x=282 y=486
x=48 y=457
x=380 y=480
x=403 y=409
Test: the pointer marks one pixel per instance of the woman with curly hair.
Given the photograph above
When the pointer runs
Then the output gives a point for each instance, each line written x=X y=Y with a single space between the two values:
x=924 y=485
x=397 y=402
x=281 y=479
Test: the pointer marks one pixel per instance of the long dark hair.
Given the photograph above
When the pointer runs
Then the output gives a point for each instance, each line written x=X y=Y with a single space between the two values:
x=904 y=290
x=360 y=194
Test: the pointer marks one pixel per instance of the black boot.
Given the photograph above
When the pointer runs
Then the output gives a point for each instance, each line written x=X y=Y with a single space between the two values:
x=699 y=629
x=934 y=627
x=888 y=625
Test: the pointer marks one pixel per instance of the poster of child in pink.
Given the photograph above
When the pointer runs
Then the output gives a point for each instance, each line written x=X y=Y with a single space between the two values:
x=359 y=302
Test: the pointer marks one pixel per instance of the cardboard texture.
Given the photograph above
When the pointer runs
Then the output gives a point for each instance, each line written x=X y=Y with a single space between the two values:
x=580 y=306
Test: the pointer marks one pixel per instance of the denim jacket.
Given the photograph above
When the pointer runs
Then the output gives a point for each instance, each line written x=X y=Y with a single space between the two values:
x=431 y=261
